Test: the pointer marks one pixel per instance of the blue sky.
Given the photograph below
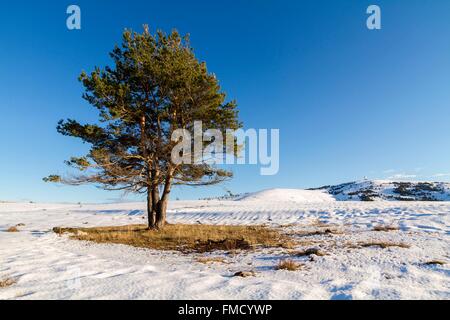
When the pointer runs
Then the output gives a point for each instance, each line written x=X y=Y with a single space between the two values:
x=349 y=102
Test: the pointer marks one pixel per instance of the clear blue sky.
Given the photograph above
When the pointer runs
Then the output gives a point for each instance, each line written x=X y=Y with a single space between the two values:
x=349 y=102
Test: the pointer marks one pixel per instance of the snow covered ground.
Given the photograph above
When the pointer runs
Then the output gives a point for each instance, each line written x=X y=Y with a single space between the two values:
x=289 y=195
x=48 y=266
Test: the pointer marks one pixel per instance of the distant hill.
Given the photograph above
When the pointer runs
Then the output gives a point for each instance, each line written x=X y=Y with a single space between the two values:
x=372 y=190
x=367 y=190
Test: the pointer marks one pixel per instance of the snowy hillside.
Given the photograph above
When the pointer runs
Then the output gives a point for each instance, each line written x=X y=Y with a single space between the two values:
x=367 y=190
x=389 y=190
x=289 y=195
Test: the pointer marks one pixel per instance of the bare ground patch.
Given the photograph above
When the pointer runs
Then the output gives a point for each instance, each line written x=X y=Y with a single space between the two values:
x=184 y=238
x=382 y=228
x=316 y=232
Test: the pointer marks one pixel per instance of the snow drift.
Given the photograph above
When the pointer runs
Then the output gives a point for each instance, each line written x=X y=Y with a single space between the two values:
x=289 y=195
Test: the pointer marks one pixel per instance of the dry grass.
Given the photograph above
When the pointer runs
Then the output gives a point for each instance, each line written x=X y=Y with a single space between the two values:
x=208 y=260
x=185 y=238
x=12 y=229
x=7 y=282
x=381 y=244
x=319 y=232
x=385 y=228
x=289 y=265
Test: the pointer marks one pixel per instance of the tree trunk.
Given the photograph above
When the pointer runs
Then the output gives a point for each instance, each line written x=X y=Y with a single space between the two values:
x=151 y=213
x=155 y=195
x=161 y=212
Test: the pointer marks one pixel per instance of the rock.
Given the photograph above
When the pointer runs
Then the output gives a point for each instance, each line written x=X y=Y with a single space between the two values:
x=315 y=251
x=244 y=274
x=310 y=252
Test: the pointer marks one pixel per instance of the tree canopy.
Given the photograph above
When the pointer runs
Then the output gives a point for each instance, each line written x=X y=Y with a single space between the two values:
x=155 y=86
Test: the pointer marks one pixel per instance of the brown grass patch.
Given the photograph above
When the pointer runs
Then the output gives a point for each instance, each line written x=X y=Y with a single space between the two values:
x=7 y=282
x=381 y=244
x=185 y=238
x=208 y=260
x=12 y=229
x=289 y=265
x=385 y=228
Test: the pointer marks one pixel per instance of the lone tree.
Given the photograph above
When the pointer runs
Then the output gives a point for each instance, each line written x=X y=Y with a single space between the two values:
x=156 y=86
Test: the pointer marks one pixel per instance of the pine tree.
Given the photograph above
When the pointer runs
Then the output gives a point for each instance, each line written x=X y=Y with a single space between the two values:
x=156 y=86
